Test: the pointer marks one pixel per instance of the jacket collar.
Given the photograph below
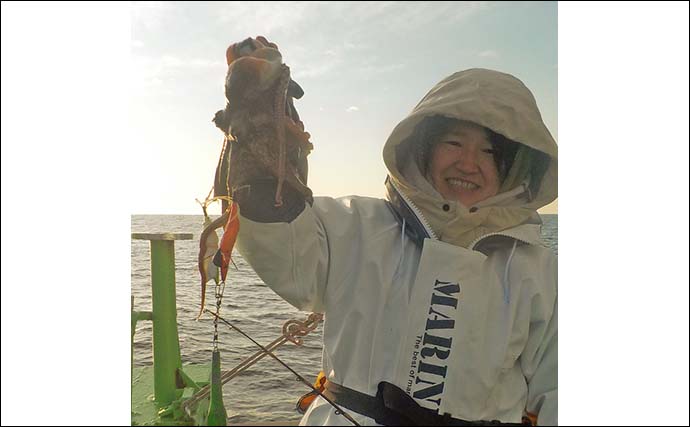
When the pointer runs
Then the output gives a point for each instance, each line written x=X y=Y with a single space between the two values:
x=417 y=229
x=402 y=211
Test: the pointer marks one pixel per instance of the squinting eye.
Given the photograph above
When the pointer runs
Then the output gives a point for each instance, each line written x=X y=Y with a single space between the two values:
x=490 y=151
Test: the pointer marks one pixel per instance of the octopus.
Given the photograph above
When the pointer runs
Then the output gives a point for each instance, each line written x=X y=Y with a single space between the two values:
x=260 y=121
x=263 y=135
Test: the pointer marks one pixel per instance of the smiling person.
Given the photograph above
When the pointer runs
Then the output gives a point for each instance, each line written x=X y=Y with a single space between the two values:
x=440 y=301
x=463 y=166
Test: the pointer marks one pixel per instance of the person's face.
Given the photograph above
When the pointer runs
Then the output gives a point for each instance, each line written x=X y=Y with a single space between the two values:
x=462 y=165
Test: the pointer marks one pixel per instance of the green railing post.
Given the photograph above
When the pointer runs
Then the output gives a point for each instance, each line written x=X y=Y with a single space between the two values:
x=166 y=345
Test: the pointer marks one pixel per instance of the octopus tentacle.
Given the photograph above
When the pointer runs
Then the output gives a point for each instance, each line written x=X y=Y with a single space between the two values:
x=219 y=222
x=280 y=119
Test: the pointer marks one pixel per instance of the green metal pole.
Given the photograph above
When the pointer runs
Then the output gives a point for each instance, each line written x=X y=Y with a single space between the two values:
x=166 y=347
x=131 y=347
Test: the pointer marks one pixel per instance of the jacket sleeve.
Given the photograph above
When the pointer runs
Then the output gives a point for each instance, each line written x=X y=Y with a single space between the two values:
x=539 y=359
x=295 y=258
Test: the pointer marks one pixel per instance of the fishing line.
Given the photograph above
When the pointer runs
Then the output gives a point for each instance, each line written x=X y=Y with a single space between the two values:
x=339 y=410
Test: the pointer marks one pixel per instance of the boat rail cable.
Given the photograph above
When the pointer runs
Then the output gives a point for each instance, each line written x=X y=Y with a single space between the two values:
x=293 y=331
x=338 y=409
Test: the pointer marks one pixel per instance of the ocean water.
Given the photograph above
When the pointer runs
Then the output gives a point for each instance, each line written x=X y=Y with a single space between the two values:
x=267 y=391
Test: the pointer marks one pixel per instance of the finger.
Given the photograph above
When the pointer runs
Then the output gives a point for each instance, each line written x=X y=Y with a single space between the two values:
x=260 y=42
x=265 y=42
x=230 y=54
x=295 y=90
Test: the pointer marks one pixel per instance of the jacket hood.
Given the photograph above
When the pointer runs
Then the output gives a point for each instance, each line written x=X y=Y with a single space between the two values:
x=502 y=103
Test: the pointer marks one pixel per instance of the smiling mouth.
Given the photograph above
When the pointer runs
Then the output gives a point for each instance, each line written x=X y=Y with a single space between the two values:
x=459 y=183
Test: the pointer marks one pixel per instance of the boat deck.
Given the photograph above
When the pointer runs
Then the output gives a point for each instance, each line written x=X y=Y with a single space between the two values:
x=144 y=409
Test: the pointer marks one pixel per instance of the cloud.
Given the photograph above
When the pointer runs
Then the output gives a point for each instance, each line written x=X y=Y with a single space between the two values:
x=247 y=17
x=356 y=33
x=152 y=16
x=304 y=63
x=488 y=54
x=313 y=69
x=372 y=69
x=352 y=109
x=204 y=63
x=173 y=62
x=397 y=16
x=156 y=72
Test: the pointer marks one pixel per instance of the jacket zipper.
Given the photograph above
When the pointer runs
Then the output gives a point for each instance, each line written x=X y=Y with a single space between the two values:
x=416 y=211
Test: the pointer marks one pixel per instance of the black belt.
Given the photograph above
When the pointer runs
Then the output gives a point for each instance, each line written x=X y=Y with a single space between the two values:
x=393 y=407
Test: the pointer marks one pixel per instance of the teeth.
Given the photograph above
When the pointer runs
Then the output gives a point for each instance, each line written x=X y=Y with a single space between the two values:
x=462 y=184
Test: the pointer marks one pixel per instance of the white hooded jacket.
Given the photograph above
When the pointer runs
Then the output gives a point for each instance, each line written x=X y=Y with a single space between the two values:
x=467 y=328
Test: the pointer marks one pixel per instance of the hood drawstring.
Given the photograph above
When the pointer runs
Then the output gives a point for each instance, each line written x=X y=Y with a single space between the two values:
x=506 y=283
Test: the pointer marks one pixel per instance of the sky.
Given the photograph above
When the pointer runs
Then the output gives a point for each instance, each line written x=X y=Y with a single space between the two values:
x=363 y=67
